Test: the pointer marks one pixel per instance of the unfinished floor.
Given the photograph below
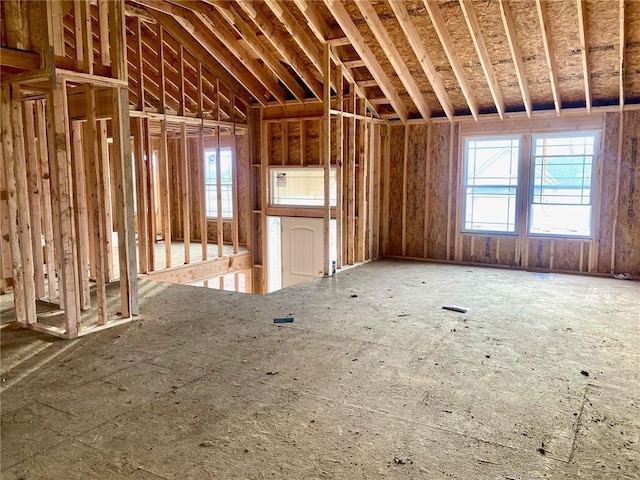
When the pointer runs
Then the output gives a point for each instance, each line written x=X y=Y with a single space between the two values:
x=540 y=379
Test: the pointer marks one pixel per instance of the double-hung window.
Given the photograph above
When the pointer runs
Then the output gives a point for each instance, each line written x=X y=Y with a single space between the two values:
x=491 y=184
x=211 y=182
x=561 y=170
x=556 y=171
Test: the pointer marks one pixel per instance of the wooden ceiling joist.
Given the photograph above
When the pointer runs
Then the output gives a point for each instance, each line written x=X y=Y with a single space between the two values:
x=447 y=44
x=281 y=46
x=351 y=31
x=228 y=39
x=249 y=35
x=198 y=51
x=286 y=17
x=392 y=53
x=549 y=54
x=512 y=40
x=317 y=25
x=584 y=49
x=203 y=35
x=415 y=40
x=483 y=54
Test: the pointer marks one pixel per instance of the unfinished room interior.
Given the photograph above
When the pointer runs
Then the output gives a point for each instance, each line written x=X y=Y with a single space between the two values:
x=320 y=239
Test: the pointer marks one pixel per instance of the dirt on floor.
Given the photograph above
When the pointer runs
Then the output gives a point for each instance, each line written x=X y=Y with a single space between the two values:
x=371 y=379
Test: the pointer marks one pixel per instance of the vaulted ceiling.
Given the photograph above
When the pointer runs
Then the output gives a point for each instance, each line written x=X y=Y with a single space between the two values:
x=414 y=59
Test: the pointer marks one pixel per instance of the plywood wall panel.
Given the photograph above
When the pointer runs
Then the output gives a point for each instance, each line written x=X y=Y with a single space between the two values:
x=539 y=252
x=437 y=186
x=566 y=255
x=607 y=196
x=396 y=163
x=627 y=257
x=416 y=173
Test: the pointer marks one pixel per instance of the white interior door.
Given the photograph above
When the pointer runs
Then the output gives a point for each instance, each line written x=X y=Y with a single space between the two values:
x=302 y=249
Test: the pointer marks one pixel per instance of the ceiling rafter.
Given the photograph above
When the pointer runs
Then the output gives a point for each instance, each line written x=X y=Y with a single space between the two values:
x=621 y=53
x=512 y=40
x=198 y=28
x=456 y=65
x=268 y=30
x=230 y=41
x=549 y=54
x=392 y=53
x=317 y=25
x=584 y=49
x=413 y=36
x=351 y=31
x=206 y=58
x=308 y=46
x=249 y=35
x=470 y=17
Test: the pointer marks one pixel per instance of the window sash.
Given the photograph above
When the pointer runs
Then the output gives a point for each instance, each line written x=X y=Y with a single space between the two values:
x=491 y=184
x=211 y=183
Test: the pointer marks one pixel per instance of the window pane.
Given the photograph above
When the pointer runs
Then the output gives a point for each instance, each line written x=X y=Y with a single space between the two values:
x=301 y=186
x=569 y=220
x=490 y=209
x=561 y=190
x=491 y=181
x=226 y=182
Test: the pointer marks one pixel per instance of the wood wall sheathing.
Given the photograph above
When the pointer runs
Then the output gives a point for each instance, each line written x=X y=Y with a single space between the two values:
x=606 y=253
x=627 y=253
x=437 y=186
x=610 y=138
x=417 y=175
x=396 y=193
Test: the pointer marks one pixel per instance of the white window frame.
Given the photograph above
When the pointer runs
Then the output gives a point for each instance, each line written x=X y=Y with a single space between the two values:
x=532 y=178
x=525 y=188
x=465 y=185
x=214 y=185
x=298 y=168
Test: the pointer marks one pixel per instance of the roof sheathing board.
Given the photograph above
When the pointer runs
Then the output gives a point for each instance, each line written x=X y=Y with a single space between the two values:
x=463 y=46
x=565 y=46
x=281 y=32
x=632 y=51
x=604 y=48
x=493 y=31
x=401 y=43
x=380 y=56
x=529 y=39
x=421 y=20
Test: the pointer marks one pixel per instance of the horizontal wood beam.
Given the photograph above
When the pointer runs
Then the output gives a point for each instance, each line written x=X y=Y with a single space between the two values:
x=202 y=270
x=19 y=59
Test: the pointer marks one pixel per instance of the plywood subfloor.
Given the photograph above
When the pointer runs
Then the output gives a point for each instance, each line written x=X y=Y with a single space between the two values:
x=540 y=379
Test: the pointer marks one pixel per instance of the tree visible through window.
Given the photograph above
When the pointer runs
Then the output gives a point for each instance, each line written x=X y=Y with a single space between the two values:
x=226 y=181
